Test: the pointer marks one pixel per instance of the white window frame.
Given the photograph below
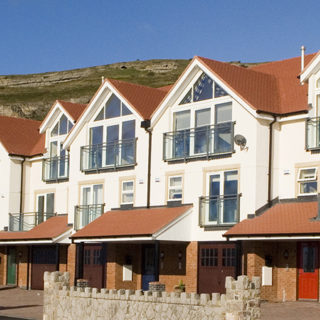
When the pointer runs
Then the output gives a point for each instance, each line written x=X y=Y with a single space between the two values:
x=306 y=180
x=127 y=191
x=175 y=187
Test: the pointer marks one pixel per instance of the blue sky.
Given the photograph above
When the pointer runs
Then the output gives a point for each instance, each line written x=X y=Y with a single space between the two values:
x=52 y=35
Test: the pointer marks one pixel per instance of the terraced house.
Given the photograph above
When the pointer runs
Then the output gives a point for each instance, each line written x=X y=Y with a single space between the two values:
x=215 y=175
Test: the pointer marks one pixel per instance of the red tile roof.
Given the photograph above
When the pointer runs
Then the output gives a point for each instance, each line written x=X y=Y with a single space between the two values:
x=48 y=230
x=74 y=109
x=270 y=87
x=282 y=219
x=135 y=222
x=144 y=99
x=21 y=136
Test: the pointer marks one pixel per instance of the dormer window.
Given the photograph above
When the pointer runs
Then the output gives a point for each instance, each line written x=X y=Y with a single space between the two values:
x=203 y=89
x=62 y=127
x=113 y=108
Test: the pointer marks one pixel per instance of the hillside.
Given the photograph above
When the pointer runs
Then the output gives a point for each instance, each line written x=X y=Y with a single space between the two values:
x=30 y=96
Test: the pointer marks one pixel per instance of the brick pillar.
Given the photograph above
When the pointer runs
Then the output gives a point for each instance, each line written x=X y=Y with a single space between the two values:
x=192 y=267
x=111 y=266
x=71 y=262
x=63 y=258
x=22 y=266
x=3 y=265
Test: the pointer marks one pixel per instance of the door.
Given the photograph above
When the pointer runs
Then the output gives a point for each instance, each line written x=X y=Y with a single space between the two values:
x=11 y=266
x=45 y=208
x=308 y=273
x=148 y=273
x=223 y=125
x=44 y=258
x=216 y=262
x=93 y=265
x=95 y=153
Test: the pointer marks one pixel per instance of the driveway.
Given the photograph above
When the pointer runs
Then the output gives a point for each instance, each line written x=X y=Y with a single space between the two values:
x=21 y=304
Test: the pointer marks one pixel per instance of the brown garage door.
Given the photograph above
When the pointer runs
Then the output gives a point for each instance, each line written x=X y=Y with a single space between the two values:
x=216 y=261
x=93 y=265
x=43 y=259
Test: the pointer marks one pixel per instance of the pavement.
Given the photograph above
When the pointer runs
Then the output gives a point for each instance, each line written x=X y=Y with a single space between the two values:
x=16 y=303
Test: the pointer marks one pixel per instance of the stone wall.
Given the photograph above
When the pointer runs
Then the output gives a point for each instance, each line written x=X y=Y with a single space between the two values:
x=241 y=301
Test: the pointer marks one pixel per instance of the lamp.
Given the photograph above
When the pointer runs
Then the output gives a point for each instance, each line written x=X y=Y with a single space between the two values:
x=286 y=254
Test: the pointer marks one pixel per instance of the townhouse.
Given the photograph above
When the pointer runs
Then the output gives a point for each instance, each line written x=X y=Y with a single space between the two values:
x=157 y=184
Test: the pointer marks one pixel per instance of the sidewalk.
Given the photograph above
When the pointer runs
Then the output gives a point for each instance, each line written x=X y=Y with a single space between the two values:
x=19 y=303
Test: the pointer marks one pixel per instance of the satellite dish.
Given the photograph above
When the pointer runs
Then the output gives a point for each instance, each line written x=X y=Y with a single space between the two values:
x=240 y=140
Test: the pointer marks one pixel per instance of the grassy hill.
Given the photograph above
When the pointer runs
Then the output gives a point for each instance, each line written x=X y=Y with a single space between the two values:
x=31 y=96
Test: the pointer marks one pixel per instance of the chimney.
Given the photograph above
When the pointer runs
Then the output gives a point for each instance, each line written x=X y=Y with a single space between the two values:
x=302 y=57
x=102 y=79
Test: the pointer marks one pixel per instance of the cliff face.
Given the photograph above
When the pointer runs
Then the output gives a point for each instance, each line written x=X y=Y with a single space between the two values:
x=30 y=96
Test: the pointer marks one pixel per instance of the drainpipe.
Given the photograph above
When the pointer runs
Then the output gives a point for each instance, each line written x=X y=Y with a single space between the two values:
x=270 y=160
x=21 y=185
x=146 y=125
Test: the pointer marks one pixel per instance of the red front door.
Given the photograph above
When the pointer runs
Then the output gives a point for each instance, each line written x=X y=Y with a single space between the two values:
x=308 y=271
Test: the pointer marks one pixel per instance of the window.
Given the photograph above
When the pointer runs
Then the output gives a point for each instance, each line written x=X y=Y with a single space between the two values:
x=127 y=192
x=113 y=108
x=175 y=188
x=307 y=180
x=45 y=206
x=228 y=257
x=62 y=127
x=86 y=256
x=209 y=257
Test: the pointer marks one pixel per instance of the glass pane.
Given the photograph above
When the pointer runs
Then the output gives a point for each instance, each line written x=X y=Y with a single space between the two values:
x=223 y=112
x=231 y=183
x=97 y=194
x=218 y=91
x=175 y=181
x=187 y=98
x=100 y=115
x=113 y=107
x=202 y=89
x=181 y=120
x=125 y=110
x=307 y=174
x=50 y=202
x=53 y=149
x=127 y=197
x=223 y=137
x=63 y=125
x=86 y=196
x=215 y=185
x=41 y=204
x=70 y=125
x=127 y=186
x=175 y=194
x=112 y=148
x=96 y=135
x=55 y=130
x=202 y=117
x=308 y=187
x=113 y=133
x=128 y=129
x=309 y=258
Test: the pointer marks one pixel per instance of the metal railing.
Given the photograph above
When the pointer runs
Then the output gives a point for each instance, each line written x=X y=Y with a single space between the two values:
x=204 y=141
x=55 y=168
x=84 y=214
x=28 y=220
x=108 y=155
x=313 y=133
x=219 y=210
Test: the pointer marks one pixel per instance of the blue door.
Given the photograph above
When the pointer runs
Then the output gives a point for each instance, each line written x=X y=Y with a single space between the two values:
x=148 y=264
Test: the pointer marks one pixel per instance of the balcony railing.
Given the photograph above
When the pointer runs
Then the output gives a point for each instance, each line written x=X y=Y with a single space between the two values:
x=26 y=221
x=56 y=168
x=313 y=133
x=205 y=142
x=111 y=155
x=85 y=214
x=219 y=210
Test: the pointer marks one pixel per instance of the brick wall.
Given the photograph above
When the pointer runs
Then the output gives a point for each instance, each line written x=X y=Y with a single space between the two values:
x=284 y=271
x=71 y=262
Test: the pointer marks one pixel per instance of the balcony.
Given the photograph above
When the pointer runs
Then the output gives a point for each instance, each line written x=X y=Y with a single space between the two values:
x=55 y=169
x=219 y=210
x=313 y=133
x=114 y=155
x=26 y=221
x=85 y=214
x=204 y=142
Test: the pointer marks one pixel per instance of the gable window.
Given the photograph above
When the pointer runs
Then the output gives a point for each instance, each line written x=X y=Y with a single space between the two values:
x=307 y=180
x=174 y=188
x=127 y=192
x=62 y=127
x=112 y=109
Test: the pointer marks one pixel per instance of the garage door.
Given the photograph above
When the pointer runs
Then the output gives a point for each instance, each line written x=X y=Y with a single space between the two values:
x=43 y=259
x=216 y=262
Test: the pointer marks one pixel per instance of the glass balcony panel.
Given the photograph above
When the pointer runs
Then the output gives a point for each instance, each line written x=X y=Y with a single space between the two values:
x=85 y=214
x=56 y=168
x=313 y=133
x=198 y=142
x=27 y=221
x=112 y=155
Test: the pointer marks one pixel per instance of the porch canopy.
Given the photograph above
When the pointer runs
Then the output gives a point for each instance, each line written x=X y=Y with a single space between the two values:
x=291 y=220
x=158 y=223
x=53 y=230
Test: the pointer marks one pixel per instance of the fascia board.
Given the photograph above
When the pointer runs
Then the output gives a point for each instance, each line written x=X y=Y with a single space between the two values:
x=115 y=239
x=26 y=242
x=292 y=118
x=271 y=238
x=163 y=106
x=62 y=237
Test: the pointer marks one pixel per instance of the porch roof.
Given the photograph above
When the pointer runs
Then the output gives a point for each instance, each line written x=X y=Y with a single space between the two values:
x=132 y=223
x=284 y=219
x=50 y=230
